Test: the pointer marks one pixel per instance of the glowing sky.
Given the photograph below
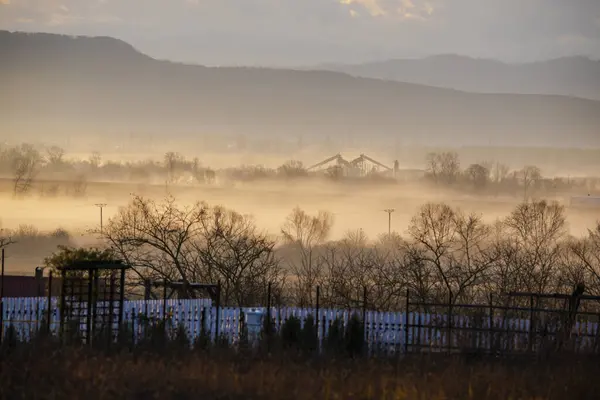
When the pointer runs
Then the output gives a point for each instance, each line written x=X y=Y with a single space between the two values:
x=312 y=31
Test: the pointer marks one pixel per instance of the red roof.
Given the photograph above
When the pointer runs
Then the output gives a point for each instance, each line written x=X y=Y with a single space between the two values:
x=25 y=286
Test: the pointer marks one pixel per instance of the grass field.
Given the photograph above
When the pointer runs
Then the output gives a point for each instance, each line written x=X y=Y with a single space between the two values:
x=37 y=372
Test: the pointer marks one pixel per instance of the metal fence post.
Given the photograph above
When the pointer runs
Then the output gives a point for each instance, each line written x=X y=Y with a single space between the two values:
x=217 y=311
x=530 y=333
x=49 y=305
x=449 y=322
x=491 y=324
x=406 y=321
x=317 y=316
x=364 y=315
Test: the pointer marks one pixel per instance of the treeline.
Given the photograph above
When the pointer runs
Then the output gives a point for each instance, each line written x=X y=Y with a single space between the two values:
x=492 y=177
x=28 y=245
x=50 y=173
x=444 y=255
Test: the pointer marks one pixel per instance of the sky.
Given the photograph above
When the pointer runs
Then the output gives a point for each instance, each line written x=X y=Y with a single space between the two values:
x=308 y=32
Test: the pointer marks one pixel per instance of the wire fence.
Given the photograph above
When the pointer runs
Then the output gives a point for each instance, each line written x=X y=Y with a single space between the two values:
x=441 y=328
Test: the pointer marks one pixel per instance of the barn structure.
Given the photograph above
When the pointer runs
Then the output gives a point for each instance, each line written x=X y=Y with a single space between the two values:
x=360 y=166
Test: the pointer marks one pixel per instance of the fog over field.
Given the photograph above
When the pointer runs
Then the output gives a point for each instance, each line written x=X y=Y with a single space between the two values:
x=112 y=122
x=354 y=204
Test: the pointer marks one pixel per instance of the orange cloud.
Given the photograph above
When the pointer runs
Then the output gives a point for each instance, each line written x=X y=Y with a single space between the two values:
x=372 y=6
x=403 y=9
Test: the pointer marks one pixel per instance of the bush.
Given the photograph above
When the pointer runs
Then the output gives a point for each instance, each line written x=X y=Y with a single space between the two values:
x=291 y=333
x=334 y=344
x=309 y=335
x=268 y=334
x=354 y=336
x=203 y=340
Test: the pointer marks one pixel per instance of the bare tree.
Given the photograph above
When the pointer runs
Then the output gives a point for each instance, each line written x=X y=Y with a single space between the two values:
x=292 y=169
x=95 y=160
x=536 y=230
x=477 y=175
x=196 y=243
x=420 y=276
x=210 y=176
x=233 y=251
x=350 y=266
x=432 y=166
x=530 y=176
x=450 y=167
x=443 y=167
x=158 y=240
x=586 y=252
x=454 y=244
x=173 y=165
x=5 y=239
x=55 y=155
x=505 y=274
x=304 y=233
x=25 y=161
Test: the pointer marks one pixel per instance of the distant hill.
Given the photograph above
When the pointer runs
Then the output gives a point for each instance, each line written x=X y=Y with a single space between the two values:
x=88 y=85
x=568 y=76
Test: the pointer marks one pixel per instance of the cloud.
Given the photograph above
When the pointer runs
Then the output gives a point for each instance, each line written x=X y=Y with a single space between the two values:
x=264 y=31
x=399 y=9
x=371 y=6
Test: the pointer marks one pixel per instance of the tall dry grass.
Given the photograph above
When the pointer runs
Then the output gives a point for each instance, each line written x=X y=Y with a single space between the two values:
x=41 y=372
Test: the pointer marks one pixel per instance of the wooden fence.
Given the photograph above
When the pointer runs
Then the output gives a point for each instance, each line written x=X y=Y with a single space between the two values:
x=385 y=332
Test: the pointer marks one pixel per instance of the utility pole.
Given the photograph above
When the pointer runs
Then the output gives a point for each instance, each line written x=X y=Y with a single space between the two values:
x=101 y=206
x=389 y=211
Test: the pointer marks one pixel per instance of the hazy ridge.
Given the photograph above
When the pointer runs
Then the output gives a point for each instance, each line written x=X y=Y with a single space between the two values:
x=59 y=84
x=568 y=76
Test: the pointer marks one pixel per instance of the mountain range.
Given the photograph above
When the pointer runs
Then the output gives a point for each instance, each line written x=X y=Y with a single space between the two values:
x=568 y=76
x=56 y=84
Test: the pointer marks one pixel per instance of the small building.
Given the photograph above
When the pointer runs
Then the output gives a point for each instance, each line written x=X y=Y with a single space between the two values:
x=28 y=286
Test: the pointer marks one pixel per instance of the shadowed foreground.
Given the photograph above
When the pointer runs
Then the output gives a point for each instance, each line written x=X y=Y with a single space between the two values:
x=38 y=372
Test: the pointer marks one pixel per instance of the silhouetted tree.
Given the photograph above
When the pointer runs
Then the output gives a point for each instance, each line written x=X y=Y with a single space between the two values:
x=303 y=232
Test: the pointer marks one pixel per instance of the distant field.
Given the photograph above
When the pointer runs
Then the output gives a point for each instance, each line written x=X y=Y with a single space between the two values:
x=354 y=206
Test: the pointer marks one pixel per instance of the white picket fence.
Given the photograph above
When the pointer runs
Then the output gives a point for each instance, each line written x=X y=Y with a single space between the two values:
x=387 y=332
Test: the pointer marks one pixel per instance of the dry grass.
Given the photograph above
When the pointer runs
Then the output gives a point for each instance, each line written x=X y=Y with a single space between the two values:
x=72 y=373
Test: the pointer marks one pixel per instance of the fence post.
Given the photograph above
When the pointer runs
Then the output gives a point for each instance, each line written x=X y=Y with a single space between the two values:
x=364 y=316
x=317 y=316
x=268 y=326
x=62 y=305
x=530 y=338
x=165 y=301
x=49 y=305
x=91 y=303
x=491 y=323
x=449 y=322
x=217 y=312
x=406 y=321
